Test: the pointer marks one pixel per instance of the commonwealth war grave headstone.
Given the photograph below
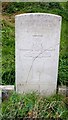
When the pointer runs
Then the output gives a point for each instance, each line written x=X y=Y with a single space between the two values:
x=37 y=52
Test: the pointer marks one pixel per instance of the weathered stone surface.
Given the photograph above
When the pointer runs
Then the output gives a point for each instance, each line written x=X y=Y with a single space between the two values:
x=37 y=52
x=63 y=90
x=6 y=87
x=5 y=91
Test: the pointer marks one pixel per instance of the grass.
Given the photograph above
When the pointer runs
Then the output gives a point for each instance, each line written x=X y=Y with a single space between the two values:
x=8 y=38
x=33 y=105
x=8 y=52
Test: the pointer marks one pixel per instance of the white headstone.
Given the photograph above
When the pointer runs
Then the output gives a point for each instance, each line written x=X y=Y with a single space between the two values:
x=37 y=52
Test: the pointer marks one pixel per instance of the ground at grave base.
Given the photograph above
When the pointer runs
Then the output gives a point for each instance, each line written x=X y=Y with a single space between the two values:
x=33 y=105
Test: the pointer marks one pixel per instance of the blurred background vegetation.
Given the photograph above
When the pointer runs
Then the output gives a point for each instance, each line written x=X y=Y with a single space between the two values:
x=9 y=10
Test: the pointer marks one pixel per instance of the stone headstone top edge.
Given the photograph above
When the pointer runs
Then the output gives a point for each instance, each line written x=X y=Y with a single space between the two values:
x=47 y=14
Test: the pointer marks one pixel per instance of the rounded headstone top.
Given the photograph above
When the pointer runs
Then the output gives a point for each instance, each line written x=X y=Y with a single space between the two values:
x=38 y=14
